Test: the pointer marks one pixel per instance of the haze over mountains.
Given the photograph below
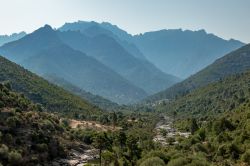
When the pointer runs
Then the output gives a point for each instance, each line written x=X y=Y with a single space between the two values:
x=105 y=60
x=233 y=63
x=178 y=52
x=44 y=53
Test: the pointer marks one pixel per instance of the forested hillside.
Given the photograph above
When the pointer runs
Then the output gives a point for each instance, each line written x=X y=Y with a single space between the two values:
x=213 y=99
x=41 y=91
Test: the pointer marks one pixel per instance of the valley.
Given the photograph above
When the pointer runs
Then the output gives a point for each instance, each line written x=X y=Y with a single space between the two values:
x=144 y=93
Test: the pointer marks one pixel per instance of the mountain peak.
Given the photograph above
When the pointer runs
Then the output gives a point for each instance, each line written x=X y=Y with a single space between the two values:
x=45 y=28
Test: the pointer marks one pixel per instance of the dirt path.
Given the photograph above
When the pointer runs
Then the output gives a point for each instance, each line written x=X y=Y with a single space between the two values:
x=92 y=125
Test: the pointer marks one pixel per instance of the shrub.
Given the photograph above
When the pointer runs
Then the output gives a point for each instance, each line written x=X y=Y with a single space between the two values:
x=178 y=162
x=13 y=122
x=4 y=150
x=246 y=157
x=42 y=148
x=14 y=158
x=156 y=161
x=162 y=155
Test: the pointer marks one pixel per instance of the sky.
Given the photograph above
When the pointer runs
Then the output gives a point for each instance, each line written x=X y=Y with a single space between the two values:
x=225 y=18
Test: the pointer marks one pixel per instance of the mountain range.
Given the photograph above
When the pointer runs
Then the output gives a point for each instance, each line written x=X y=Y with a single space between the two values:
x=44 y=53
x=105 y=60
x=108 y=51
x=174 y=51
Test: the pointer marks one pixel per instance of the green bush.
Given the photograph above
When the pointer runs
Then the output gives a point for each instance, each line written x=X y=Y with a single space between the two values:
x=42 y=148
x=155 y=161
x=4 y=151
x=14 y=158
x=178 y=162
x=246 y=157
x=162 y=155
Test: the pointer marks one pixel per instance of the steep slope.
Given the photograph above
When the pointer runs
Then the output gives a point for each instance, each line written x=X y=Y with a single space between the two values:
x=108 y=51
x=183 y=53
x=235 y=62
x=222 y=96
x=9 y=38
x=40 y=91
x=99 y=101
x=219 y=121
x=44 y=53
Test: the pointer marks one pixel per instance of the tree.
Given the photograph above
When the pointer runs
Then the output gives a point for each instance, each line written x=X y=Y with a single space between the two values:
x=114 y=118
x=101 y=142
x=134 y=152
x=194 y=127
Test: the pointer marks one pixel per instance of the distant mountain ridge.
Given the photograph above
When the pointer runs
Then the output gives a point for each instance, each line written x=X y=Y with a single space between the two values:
x=176 y=51
x=183 y=53
x=109 y=52
x=235 y=62
x=44 y=53
x=9 y=38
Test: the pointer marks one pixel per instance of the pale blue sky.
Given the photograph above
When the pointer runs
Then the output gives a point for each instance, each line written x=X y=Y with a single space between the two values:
x=225 y=18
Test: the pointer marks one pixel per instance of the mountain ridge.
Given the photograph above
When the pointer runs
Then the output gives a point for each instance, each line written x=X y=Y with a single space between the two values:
x=43 y=47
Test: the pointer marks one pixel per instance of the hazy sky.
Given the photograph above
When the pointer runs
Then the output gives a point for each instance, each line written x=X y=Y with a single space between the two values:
x=225 y=18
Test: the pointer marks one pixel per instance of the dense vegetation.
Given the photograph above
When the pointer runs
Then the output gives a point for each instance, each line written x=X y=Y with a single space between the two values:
x=235 y=62
x=41 y=91
x=222 y=96
x=27 y=135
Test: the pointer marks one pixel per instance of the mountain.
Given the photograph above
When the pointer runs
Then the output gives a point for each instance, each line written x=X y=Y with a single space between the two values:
x=9 y=38
x=235 y=62
x=183 y=53
x=100 y=44
x=93 y=28
x=177 y=52
x=41 y=91
x=44 y=53
x=99 y=101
